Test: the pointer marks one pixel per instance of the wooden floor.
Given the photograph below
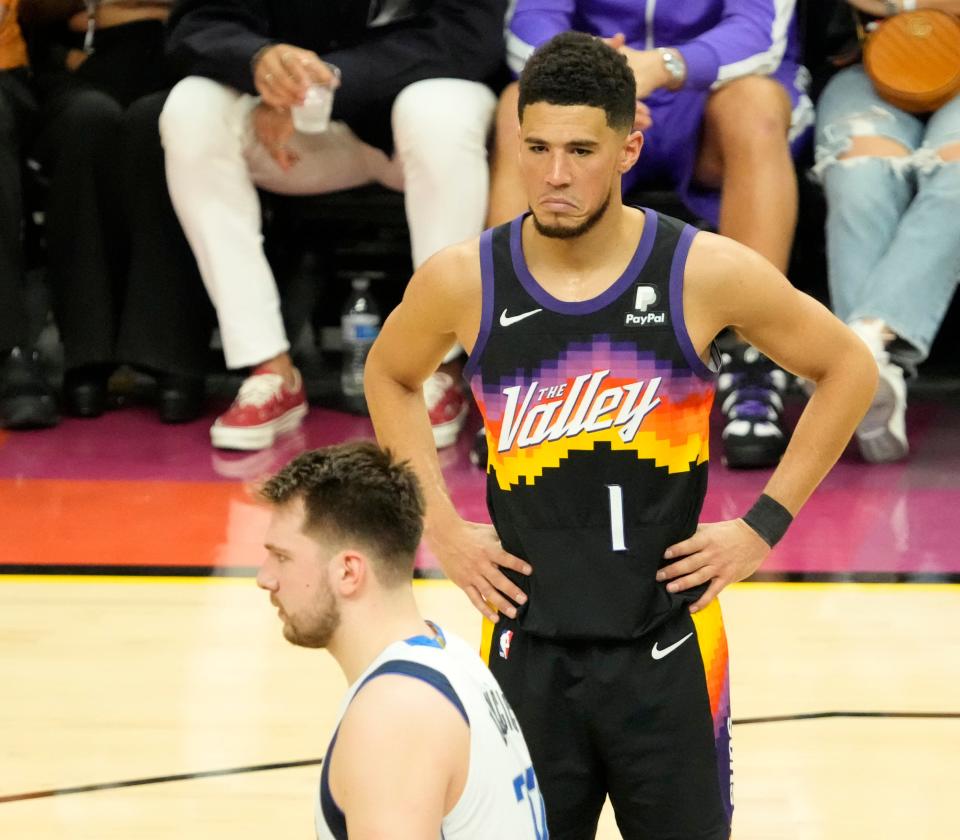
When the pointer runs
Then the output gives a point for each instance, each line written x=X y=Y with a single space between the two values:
x=109 y=680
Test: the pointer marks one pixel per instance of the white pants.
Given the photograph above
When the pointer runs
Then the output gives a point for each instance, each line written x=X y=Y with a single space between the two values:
x=214 y=164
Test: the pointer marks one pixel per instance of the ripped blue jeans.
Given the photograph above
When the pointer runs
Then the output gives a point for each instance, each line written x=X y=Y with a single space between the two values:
x=893 y=223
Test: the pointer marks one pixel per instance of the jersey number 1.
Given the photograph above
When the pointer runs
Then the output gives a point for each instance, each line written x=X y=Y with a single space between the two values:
x=616 y=517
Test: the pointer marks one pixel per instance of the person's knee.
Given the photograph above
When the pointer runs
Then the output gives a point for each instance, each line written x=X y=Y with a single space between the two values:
x=862 y=146
x=950 y=152
x=90 y=112
x=752 y=112
x=195 y=117
x=438 y=115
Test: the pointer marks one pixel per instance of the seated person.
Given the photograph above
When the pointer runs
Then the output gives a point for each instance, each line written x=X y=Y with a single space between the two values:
x=92 y=70
x=723 y=106
x=26 y=398
x=892 y=184
x=409 y=112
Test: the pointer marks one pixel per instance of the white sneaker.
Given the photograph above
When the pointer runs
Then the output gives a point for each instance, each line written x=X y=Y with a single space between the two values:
x=882 y=434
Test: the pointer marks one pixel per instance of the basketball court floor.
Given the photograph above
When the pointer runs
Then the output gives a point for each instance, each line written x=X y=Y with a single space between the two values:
x=147 y=692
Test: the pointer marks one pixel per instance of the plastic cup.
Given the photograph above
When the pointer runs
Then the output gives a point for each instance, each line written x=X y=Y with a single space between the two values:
x=313 y=116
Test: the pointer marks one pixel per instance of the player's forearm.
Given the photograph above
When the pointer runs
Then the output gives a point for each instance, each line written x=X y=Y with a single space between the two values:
x=839 y=403
x=402 y=425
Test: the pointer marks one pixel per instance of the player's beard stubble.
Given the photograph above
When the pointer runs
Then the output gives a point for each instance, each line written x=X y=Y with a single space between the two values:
x=560 y=232
x=316 y=628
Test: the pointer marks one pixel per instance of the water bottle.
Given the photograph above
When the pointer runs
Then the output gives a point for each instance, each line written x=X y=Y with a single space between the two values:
x=359 y=324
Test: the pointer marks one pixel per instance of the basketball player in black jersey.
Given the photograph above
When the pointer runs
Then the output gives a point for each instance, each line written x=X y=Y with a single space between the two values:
x=591 y=328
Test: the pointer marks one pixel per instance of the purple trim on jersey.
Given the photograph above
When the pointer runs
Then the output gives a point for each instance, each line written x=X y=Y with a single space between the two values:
x=605 y=298
x=486 y=310
x=676 y=305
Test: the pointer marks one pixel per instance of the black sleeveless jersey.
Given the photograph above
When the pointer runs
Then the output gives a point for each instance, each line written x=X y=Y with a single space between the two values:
x=597 y=422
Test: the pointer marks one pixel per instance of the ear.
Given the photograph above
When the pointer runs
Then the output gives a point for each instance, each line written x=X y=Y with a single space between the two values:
x=349 y=571
x=630 y=151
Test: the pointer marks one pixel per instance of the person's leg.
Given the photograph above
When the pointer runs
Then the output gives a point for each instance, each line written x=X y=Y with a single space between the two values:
x=863 y=146
x=745 y=153
x=440 y=129
x=662 y=717
x=26 y=398
x=507 y=197
x=14 y=98
x=167 y=318
x=203 y=129
x=914 y=281
x=544 y=683
x=864 y=151
x=78 y=147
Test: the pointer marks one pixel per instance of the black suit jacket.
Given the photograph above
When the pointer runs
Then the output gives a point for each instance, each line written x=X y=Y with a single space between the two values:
x=460 y=39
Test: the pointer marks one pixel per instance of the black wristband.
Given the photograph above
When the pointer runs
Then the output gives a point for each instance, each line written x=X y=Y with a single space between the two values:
x=769 y=519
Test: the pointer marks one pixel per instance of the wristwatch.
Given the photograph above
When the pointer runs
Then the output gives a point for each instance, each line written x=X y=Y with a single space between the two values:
x=675 y=67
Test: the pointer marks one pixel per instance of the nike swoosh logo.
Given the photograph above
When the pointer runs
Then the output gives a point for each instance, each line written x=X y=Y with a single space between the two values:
x=507 y=320
x=656 y=653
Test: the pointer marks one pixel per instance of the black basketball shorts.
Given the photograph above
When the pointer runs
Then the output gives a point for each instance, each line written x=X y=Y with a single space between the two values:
x=645 y=722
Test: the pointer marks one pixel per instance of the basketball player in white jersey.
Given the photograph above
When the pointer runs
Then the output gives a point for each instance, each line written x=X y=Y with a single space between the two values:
x=425 y=745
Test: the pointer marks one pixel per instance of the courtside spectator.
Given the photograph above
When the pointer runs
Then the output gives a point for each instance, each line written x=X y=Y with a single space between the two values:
x=410 y=112
x=26 y=399
x=892 y=183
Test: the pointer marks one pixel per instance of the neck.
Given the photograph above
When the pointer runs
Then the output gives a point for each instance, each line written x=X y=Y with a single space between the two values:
x=367 y=628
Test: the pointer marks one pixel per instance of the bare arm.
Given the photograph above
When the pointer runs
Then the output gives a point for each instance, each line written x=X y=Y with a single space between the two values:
x=727 y=284
x=441 y=305
x=400 y=762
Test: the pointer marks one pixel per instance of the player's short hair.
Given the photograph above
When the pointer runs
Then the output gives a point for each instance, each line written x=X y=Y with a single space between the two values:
x=578 y=69
x=356 y=491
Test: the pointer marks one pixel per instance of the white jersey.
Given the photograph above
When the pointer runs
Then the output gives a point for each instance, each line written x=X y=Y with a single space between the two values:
x=501 y=797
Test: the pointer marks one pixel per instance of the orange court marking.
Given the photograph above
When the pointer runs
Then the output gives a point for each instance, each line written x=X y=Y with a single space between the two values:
x=129 y=523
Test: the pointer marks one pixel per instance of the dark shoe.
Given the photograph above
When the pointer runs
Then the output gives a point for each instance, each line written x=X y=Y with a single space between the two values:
x=85 y=391
x=750 y=394
x=179 y=398
x=26 y=399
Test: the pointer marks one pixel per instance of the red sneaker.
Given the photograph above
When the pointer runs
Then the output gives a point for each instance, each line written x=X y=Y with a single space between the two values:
x=447 y=407
x=264 y=408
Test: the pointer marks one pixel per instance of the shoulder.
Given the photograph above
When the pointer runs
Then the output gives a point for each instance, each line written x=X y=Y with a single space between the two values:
x=445 y=293
x=715 y=258
x=405 y=724
x=453 y=271
x=392 y=705
x=721 y=272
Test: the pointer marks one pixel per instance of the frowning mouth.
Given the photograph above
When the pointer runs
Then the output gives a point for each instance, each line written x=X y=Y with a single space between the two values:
x=554 y=202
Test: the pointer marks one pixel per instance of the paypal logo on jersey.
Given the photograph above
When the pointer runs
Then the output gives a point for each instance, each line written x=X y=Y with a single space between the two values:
x=643 y=320
x=646 y=297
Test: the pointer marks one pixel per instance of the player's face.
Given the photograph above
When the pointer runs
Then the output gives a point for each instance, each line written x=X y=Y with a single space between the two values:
x=571 y=162
x=295 y=574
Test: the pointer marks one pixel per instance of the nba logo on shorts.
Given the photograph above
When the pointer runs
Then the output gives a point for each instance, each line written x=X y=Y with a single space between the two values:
x=505 y=638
